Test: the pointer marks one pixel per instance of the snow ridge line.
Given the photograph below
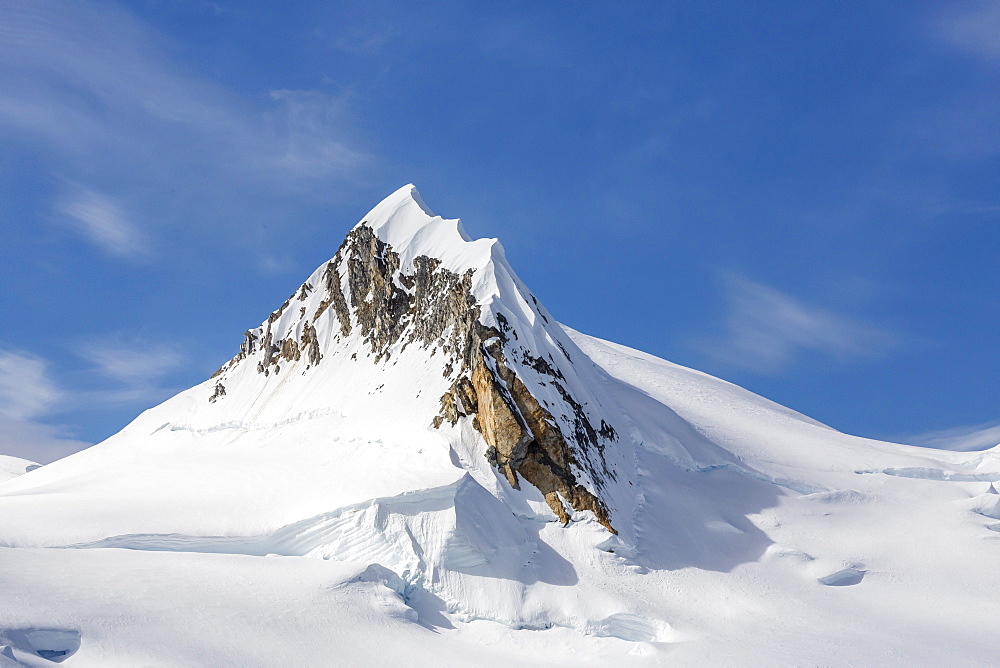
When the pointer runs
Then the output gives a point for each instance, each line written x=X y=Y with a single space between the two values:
x=289 y=540
x=251 y=426
x=938 y=475
x=794 y=485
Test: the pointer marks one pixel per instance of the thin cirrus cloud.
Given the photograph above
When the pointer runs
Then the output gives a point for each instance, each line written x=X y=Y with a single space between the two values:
x=94 y=88
x=973 y=27
x=963 y=127
x=26 y=391
x=27 y=394
x=133 y=373
x=132 y=364
x=102 y=221
x=767 y=330
x=960 y=439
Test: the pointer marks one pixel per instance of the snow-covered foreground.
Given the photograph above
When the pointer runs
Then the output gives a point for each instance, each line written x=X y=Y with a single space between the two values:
x=884 y=561
x=111 y=607
x=314 y=511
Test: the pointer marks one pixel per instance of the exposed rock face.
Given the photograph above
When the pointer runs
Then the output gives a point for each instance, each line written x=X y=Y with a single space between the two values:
x=310 y=342
x=367 y=293
x=523 y=437
x=218 y=391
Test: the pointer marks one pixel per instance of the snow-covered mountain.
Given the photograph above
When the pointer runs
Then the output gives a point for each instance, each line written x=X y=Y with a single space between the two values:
x=450 y=476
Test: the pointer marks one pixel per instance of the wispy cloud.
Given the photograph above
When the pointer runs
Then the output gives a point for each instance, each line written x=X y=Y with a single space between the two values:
x=27 y=393
x=134 y=372
x=102 y=221
x=365 y=40
x=101 y=98
x=92 y=76
x=304 y=125
x=270 y=265
x=37 y=441
x=960 y=439
x=973 y=27
x=767 y=329
x=133 y=364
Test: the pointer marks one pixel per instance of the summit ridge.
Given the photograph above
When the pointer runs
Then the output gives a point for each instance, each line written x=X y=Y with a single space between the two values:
x=404 y=277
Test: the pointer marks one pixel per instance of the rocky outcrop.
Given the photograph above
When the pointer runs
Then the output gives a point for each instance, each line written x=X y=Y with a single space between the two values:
x=367 y=293
x=523 y=438
x=310 y=343
x=218 y=391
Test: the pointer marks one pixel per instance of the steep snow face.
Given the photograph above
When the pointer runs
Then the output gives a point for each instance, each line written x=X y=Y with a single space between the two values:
x=406 y=279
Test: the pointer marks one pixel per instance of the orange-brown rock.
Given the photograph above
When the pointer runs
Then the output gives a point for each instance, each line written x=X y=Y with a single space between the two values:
x=429 y=306
x=522 y=436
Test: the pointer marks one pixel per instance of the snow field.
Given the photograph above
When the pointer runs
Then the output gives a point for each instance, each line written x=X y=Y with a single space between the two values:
x=312 y=516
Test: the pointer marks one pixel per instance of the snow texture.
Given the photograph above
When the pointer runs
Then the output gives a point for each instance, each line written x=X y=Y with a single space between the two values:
x=314 y=515
x=11 y=467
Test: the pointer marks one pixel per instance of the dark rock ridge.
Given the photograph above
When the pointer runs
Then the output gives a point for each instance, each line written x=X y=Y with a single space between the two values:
x=366 y=292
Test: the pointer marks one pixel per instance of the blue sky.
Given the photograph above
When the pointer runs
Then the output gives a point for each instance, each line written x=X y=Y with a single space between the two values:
x=802 y=198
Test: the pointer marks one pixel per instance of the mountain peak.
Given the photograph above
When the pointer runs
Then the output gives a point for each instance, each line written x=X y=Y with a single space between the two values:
x=418 y=304
x=404 y=221
x=460 y=458
x=402 y=196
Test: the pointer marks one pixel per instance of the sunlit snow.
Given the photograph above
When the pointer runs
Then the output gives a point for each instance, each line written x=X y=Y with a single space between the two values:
x=314 y=517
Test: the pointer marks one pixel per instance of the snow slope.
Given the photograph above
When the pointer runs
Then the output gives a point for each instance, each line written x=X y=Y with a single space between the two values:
x=11 y=467
x=349 y=497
